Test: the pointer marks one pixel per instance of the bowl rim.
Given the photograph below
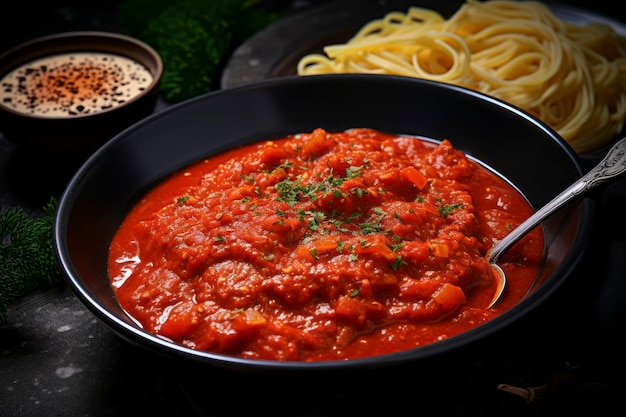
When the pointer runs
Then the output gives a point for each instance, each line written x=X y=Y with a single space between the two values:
x=144 y=339
x=83 y=41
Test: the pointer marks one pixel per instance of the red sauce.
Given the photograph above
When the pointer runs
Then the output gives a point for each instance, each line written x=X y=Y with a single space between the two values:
x=321 y=246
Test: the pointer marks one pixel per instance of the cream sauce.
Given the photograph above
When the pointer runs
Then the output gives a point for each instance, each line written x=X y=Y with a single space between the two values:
x=73 y=84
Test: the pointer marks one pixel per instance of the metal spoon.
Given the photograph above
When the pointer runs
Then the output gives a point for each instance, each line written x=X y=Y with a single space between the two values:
x=611 y=166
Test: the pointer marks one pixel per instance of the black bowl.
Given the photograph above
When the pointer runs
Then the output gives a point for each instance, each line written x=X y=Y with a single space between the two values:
x=522 y=149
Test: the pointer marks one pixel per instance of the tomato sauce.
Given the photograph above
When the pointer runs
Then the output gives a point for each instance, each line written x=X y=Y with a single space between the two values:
x=321 y=246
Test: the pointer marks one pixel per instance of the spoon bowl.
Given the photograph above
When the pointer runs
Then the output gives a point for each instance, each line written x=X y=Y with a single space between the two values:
x=611 y=166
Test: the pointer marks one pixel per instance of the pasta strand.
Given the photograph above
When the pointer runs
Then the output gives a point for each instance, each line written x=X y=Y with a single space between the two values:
x=572 y=77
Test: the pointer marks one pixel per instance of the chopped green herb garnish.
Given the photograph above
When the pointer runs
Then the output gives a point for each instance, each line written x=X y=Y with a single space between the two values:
x=394 y=248
x=247 y=178
x=291 y=191
x=373 y=224
x=182 y=199
x=396 y=264
x=446 y=209
x=358 y=191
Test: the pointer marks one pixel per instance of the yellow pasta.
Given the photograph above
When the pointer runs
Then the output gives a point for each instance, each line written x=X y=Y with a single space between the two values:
x=572 y=77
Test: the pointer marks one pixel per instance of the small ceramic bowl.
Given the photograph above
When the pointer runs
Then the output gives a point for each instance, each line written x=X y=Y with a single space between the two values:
x=74 y=91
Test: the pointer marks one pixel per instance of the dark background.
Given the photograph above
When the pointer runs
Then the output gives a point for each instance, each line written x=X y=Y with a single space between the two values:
x=56 y=359
x=25 y=19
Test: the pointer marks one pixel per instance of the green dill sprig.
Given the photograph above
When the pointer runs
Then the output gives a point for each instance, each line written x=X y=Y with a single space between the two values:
x=27 y=261
x=193 y=37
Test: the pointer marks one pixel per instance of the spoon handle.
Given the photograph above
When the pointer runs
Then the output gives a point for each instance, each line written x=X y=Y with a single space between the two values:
x=612 y=165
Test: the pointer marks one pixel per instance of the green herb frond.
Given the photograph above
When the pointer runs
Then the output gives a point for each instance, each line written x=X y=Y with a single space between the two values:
x=193 y=37
x=27 y=261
